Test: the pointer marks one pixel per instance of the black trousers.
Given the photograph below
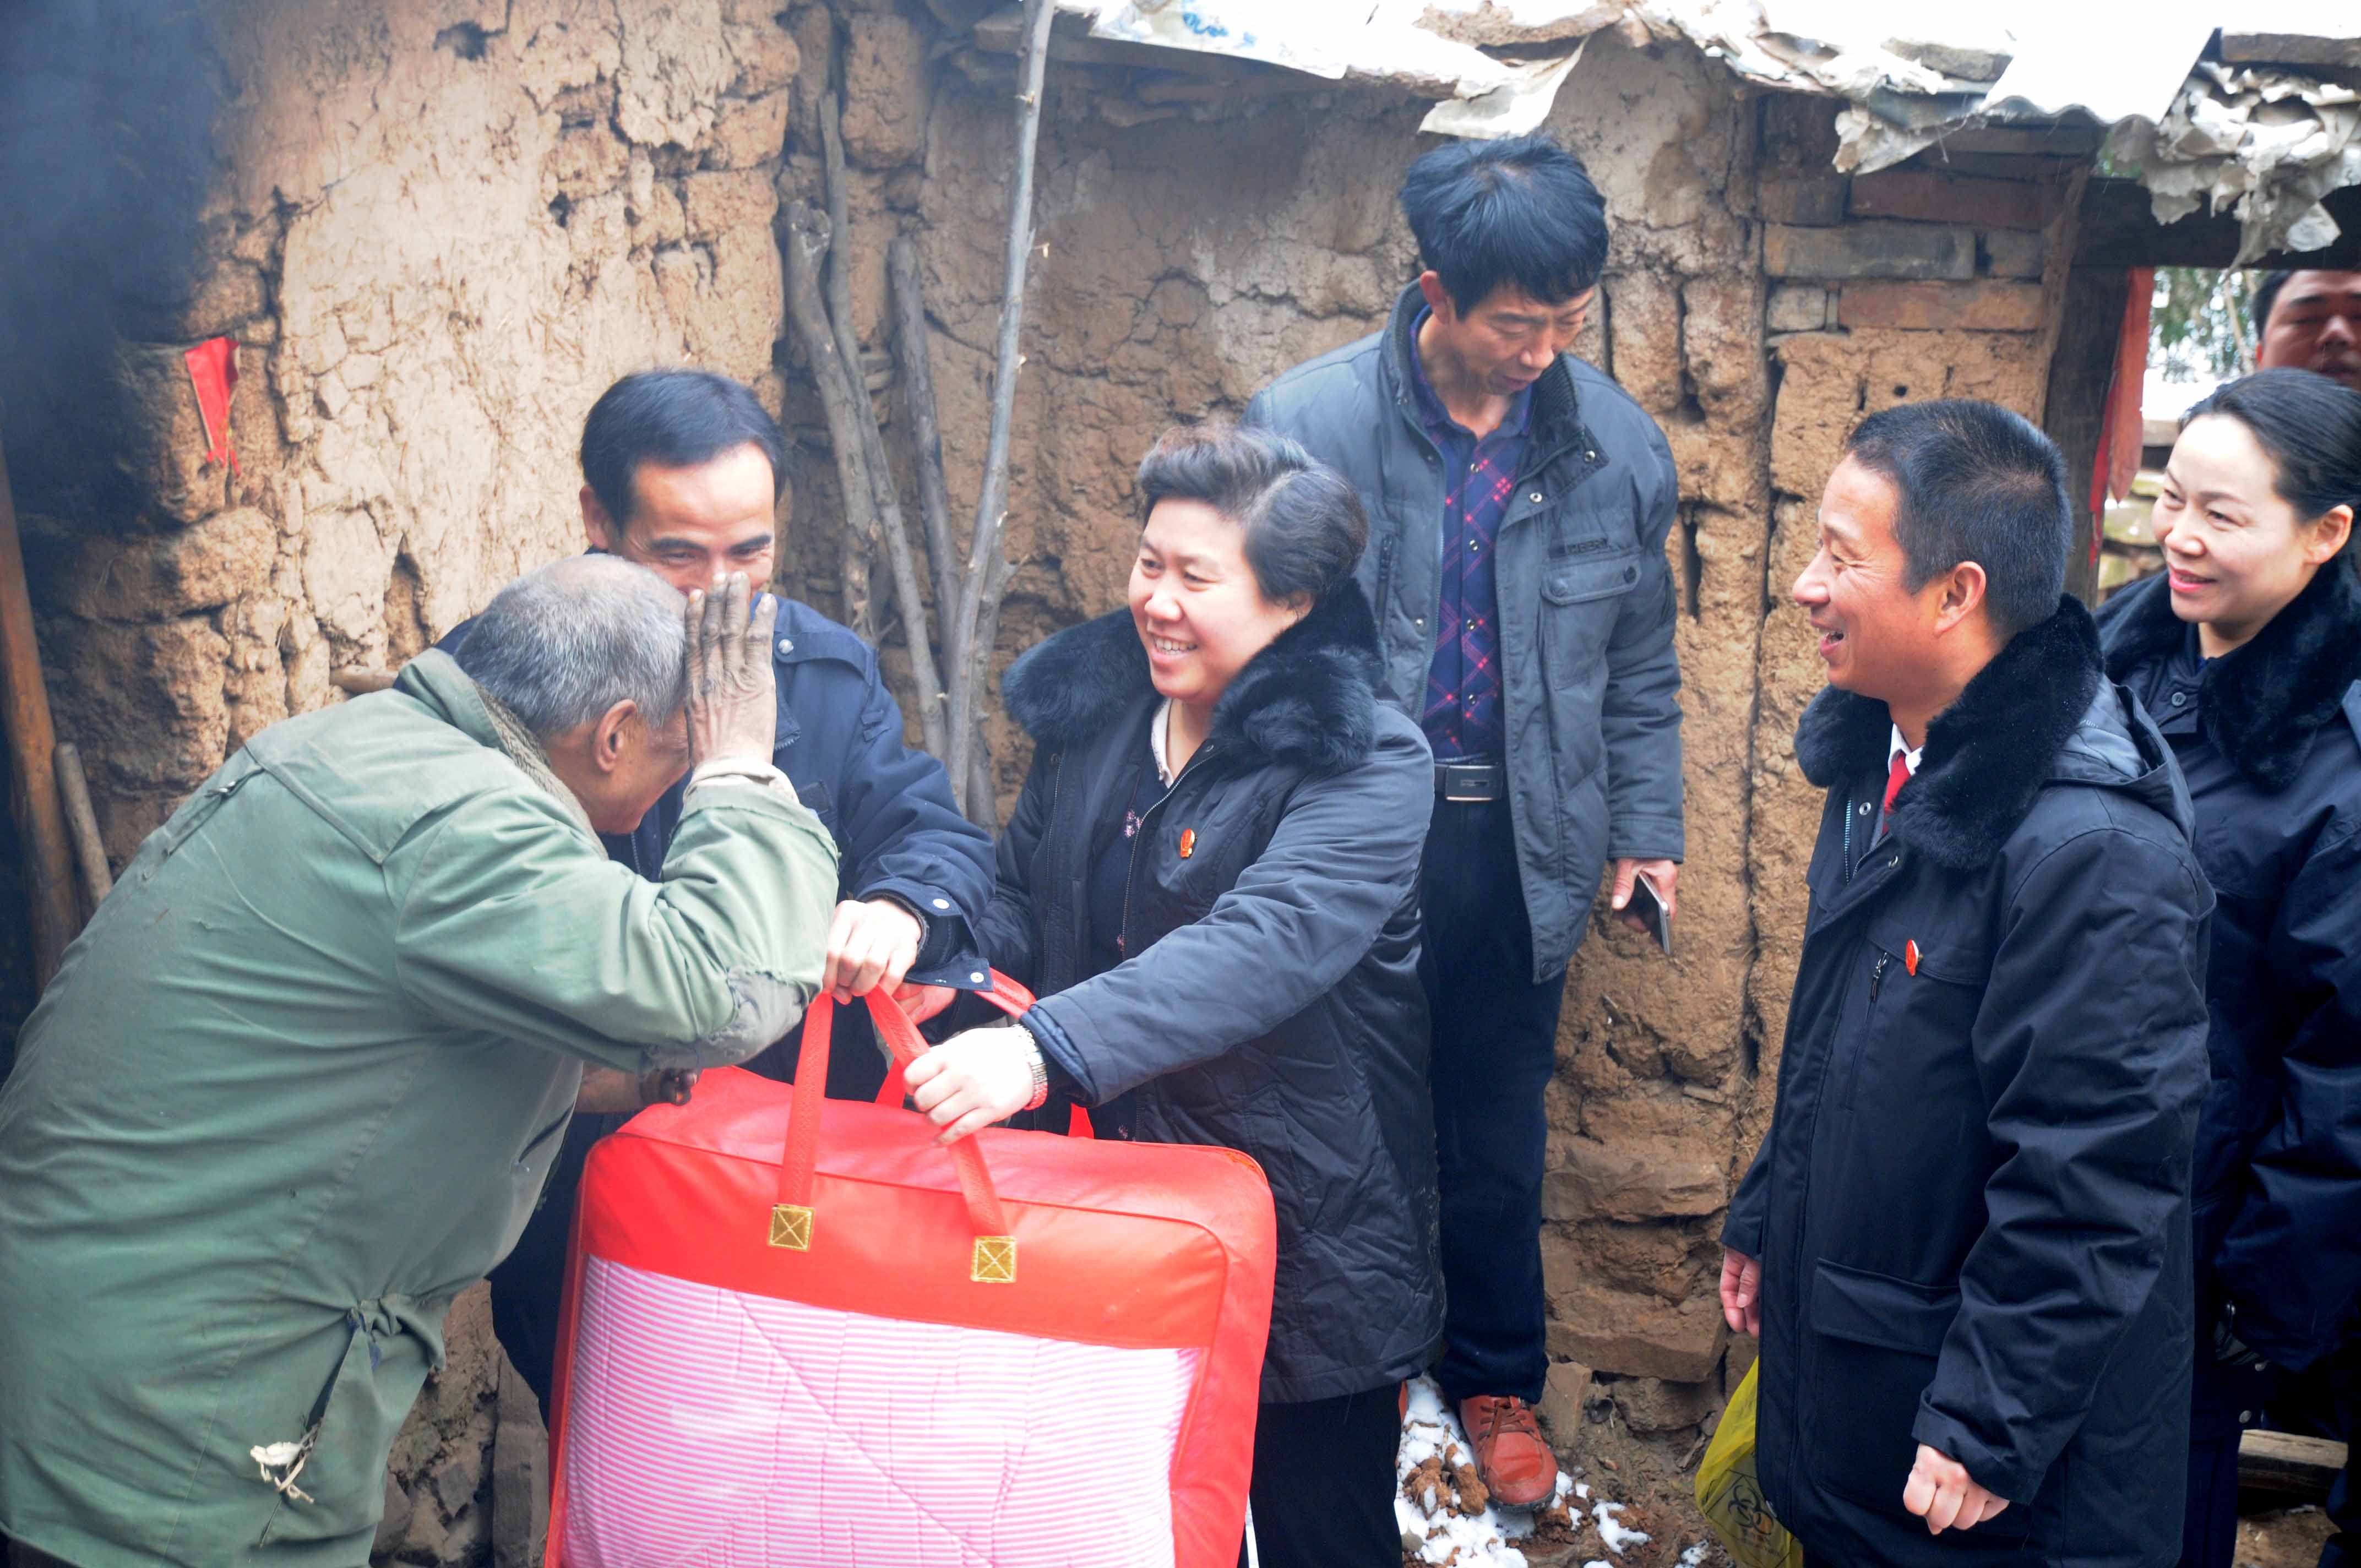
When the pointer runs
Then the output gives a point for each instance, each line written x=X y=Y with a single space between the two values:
x=1324 y=1483
x=2322 y=1401
x=2343 y=1549
x=529 y=1285
x=1495 y=1048
x=2224 y=1401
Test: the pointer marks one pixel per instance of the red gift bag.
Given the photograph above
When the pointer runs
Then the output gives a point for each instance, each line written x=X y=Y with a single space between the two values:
x=796 y=1332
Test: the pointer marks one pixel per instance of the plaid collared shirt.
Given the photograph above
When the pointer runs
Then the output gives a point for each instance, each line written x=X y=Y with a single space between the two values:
x=1462 y=717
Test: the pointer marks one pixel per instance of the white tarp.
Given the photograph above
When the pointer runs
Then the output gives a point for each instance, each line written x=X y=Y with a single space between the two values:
x=2139 y=65
x=2264 y=141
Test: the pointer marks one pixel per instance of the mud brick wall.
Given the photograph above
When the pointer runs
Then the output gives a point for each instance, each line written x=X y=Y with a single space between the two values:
x=437 y=231
x=440 y=227
x=1941 y=277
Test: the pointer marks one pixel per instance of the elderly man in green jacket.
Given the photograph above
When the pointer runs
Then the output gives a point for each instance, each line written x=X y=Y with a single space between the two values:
x=298 y=1084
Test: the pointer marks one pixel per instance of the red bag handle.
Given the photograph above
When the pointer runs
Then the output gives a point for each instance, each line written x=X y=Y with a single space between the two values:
x=792 y=1218
x=1012 y=998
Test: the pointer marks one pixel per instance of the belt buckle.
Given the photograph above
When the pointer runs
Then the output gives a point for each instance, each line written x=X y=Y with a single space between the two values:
x=1481 y=783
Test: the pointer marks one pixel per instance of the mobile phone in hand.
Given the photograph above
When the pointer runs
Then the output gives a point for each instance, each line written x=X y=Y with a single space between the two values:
x=1649 y=906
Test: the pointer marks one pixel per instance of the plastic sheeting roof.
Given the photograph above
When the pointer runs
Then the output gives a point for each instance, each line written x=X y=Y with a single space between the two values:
x=2265 y=136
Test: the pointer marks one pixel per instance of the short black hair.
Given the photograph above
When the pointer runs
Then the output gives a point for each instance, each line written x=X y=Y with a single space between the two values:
x=675 y=418
x=2309 y=426
x=2266 y=294
x=1304 y=527
x=1976 y=483
x=1520 y=210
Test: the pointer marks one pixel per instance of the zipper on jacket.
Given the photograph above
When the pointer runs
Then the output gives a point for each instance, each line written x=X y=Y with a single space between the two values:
x=1131 y=871
x=1385 y=579
x=1877 y=975
x=1848 y=840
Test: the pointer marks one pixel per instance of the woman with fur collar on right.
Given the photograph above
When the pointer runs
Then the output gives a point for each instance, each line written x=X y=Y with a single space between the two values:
x=2247 y=653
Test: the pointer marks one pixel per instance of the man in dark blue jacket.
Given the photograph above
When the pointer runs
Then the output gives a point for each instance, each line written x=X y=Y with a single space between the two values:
x=1518 y=502
x=1966 y=1242
x=683 y=471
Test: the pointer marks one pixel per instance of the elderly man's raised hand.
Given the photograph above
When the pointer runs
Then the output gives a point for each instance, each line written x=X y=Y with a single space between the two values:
x=733 y=706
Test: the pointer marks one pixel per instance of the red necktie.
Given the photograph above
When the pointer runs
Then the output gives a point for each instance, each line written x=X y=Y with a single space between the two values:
x=1896 y=777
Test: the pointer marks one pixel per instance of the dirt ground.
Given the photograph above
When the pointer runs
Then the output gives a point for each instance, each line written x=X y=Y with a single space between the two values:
x=1645 y=1483
x=1656 y=1480
x=2289 y=1537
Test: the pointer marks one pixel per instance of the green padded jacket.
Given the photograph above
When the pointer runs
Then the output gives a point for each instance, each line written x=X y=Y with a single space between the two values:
x=296 y=1086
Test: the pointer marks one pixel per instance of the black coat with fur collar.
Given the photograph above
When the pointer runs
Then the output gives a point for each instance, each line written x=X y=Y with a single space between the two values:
x=2270 y=736
x=1272 y=1004
x=1973 y=1204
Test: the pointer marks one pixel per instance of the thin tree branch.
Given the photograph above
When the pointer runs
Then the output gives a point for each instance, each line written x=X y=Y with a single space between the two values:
x=917 y=363
x=983 y=802
x=808 y=244
x=986 y=565
x=886 y=500
x=838 y=281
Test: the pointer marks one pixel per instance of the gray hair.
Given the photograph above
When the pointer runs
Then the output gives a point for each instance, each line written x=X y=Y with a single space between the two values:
x=562 y=645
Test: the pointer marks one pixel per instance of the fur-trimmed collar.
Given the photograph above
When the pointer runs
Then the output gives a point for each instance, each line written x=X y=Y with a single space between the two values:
x=1309 y=698
x=2261 y=704
x=1987 y=756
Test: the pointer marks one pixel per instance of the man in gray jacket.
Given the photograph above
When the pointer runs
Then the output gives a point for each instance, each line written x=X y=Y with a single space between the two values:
x=1545 y=680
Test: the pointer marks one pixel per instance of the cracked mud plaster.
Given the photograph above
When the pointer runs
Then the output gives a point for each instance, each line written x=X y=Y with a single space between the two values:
x=440 y=230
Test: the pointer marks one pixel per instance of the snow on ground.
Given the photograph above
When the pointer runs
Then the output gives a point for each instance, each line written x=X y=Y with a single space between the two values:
x=1439 y=1515
x=1612 y=1533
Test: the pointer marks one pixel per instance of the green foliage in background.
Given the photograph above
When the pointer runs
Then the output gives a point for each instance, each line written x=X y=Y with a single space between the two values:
x=2200 y=328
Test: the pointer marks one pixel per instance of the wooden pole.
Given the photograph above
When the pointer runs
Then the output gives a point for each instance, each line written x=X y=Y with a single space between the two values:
x=2074 y=410
x=807 y=244
x=32 y=744
x=82 y=820
x=2285 y=1467
x=886 y=500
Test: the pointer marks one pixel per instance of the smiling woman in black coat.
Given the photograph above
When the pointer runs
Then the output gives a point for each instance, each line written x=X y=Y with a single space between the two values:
x=2247 y=652
x=1210 y=879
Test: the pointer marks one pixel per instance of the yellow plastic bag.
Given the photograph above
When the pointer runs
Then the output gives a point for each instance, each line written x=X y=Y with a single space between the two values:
x=1731 y=1497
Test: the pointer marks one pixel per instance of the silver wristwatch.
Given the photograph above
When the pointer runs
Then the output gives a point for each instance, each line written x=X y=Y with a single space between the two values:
x=1040 y=1069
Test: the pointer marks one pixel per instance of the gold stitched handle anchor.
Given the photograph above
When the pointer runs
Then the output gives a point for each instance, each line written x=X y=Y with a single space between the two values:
x=791 y=1226
x=995 y=1262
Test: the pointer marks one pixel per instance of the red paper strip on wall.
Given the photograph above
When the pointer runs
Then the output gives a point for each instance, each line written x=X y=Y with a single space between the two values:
x=213 y=370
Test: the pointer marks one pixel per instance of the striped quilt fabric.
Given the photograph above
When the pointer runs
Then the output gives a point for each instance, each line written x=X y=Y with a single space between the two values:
x=710 y=1428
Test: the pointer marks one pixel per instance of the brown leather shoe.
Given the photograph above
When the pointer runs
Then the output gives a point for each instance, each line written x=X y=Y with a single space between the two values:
x=1510 y=1454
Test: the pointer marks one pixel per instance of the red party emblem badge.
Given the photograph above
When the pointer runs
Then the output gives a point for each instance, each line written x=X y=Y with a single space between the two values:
x=1910 y=957
x=1188 y=842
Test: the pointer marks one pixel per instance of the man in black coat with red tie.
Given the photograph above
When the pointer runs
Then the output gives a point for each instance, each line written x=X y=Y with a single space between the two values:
x=1966 y=1241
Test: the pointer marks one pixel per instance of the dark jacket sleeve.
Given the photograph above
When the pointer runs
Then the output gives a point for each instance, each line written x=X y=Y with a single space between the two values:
x=1008 y=932
x=1639 y=719
x=1296 y=922
x=1749 y=1207
x=901 y=835
x=2293 y=1271
x=2094 y=1089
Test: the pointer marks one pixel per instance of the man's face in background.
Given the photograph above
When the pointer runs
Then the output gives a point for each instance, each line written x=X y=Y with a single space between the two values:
x=692 y=525
x=2315 y=324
